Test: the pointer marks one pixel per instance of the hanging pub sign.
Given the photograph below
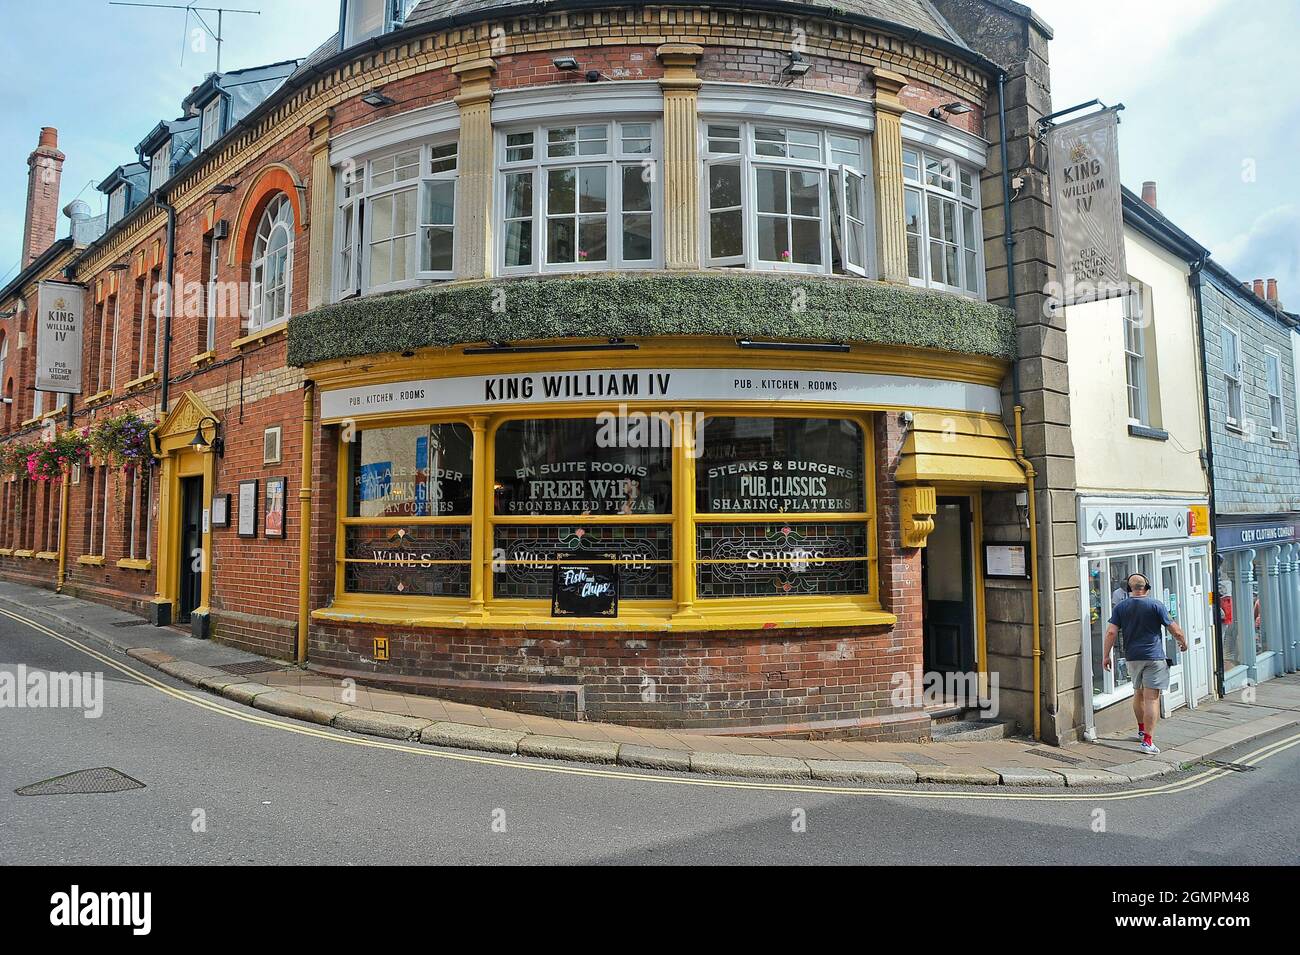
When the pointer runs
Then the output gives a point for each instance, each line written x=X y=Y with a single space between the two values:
x=58 y=338
x=585 y=590
x=1088 y=207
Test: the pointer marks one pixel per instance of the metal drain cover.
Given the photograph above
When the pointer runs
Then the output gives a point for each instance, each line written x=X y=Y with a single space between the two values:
x=1060 y=758
x=1235 y=767
x=251 y=666
x=83 y=782
x=131 y=623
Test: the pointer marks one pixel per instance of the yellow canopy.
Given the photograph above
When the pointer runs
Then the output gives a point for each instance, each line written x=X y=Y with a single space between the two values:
x=957 y=447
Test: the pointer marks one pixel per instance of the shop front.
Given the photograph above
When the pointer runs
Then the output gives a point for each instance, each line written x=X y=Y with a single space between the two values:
x=673 y=533
x=1167 y=541
x=1258 y=597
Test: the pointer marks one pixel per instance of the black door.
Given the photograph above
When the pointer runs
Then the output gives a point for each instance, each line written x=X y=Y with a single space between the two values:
x=948 y=590
x=191 y=594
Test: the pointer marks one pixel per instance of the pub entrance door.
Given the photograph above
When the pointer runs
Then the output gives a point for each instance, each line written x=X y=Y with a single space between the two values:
x=948 y=591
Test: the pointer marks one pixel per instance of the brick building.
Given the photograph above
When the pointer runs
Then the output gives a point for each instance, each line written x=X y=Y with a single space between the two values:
x=646 y=362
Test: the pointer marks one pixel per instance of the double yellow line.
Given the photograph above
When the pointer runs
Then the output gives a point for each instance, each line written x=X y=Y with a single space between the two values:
x=202 y=700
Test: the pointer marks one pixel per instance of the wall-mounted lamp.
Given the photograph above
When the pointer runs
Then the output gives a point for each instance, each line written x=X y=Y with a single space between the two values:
x=798 y=65
x=949 y=109
x=201 y=443
x=567 y=64
x=118 y=267
x=377 y=99
x=791 y=346
x=221 y=189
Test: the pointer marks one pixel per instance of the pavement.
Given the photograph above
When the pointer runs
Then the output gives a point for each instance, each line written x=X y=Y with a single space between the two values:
x=1187 y=737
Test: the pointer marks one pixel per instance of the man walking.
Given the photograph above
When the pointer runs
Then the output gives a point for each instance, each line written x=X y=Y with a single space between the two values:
x=1140 y=617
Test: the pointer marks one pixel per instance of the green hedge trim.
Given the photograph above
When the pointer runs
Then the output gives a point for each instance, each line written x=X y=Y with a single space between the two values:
x=640 y=305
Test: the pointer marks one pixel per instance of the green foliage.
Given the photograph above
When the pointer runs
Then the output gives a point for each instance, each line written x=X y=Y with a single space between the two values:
x=632 y=305
x=121 y=440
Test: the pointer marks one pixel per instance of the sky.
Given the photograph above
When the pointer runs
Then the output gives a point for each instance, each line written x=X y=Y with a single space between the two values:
x=1211 y=92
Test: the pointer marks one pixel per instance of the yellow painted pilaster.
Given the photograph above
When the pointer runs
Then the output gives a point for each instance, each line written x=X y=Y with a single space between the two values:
x=474 y=188
x=166 y=568
x=887 y=161
x=684 y=583
x=479 y=549
x=322 y=215
x=209 y=486
x=681 y=166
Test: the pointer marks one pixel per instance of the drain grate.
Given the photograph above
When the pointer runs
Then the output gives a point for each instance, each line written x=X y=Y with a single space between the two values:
x=131 y=623
x=1220 y=764
x=251 y=666
x=1042 y=751
x=83 y=782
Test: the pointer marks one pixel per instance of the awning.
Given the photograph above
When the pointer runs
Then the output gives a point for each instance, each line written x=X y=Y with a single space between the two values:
x=957 y=447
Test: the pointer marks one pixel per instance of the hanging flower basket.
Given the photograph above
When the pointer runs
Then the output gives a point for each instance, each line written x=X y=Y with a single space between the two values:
x=50 y=461
x=122 y=440
x=13 y=458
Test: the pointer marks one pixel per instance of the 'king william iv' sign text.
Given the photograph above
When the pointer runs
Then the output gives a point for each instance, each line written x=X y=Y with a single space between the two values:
x=58 y=338
x=1088 y=207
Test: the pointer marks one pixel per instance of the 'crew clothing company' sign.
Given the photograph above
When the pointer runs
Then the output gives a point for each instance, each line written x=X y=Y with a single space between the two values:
x=58 y=338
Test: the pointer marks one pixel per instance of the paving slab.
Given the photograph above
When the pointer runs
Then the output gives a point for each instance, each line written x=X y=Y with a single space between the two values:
x=739 y=764
x=1141 y=769
x=653 y=757
x=559 y=747
x=246 y=692
x=1028 y=776
x=860 y=771
x=957 y=775
x=1091 y=777
x=376 y=723
x=299 y=707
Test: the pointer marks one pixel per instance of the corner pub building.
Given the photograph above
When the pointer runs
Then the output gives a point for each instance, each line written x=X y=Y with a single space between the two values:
x=636 y=362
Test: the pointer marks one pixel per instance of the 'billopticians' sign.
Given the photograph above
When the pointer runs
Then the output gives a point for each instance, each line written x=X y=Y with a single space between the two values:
x=1088 y=207
x=1122 y=522
x=58 y=338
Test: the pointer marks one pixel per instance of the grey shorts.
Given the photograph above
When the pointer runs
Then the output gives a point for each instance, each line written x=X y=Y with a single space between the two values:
x=1151 y=674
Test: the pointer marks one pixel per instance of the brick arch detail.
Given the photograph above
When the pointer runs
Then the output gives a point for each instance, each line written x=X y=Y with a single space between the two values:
x=274 y=179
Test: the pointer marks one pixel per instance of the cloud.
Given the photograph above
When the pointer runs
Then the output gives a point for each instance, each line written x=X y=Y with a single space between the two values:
x=1268 y=248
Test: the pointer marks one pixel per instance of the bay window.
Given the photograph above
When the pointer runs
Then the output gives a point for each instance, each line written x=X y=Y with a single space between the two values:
x=397 y=220
x=579 y=196
x=942 y=210
x=786 y=198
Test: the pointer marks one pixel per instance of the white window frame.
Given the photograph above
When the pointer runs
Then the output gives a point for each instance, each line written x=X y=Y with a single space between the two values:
x=117 y=204
x=395 y=14
x=833 y=175
x=1231 y=377
x=271 y=222
x=1273 y=386
x=159 y=166
x=210 y=130
x=1135 y=355
x=614 y=159
x=354 y=219
x=967 y=220
x=213 y=299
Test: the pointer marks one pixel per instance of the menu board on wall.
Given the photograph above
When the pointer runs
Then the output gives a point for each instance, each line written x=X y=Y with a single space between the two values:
x=585 y=590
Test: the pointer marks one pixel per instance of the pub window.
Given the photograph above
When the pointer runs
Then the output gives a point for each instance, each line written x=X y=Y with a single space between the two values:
x=786 y=198
x=941 y=200
x=409 y=511
x=781 y=508
x=271 y=298
x=568 y=489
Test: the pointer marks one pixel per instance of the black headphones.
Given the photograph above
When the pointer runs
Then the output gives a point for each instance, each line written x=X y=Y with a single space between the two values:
x=1145 y=580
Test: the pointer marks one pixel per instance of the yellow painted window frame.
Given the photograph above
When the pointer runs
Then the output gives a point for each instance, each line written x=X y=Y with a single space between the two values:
x=684 y=611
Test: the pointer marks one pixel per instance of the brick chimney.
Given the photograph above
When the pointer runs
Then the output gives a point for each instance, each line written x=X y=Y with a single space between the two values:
x=44 y=172
x=1258 y=288
x=1149 y=194
x=1272 y=293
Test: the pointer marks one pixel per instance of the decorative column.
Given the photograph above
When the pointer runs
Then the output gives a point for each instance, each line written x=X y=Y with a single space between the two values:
x=1244 y=611
x=479 y=527
x=474 y=188
x=1270 y=599
x=887 y=163
x=320 y=263
x=1287 y=601
x=681 y=165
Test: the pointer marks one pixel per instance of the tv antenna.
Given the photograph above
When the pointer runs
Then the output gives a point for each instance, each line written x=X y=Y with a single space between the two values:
x=198 y=13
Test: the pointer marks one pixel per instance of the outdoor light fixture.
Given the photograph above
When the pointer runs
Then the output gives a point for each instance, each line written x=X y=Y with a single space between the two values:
x=953 y=109
x=566 y=63
x=118 y=267
x=595 y=76
x=505 y=348
x=200 y=443
x=798 y=65
x=792 y=346
x=221 y=189
x=377 y=99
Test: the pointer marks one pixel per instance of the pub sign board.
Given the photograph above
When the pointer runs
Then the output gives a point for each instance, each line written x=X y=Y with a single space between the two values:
x=586 y=589
x=59 y=328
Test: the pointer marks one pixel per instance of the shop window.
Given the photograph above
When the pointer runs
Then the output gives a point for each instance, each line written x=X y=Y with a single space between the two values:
x=1230 y=364
x=409 y=509
x=396 y=224
x=1107 y=586
x=271 y=292
x=583 y=196
x=942 y=209
x=585 y=497
x=771 y=496
x=786 y=198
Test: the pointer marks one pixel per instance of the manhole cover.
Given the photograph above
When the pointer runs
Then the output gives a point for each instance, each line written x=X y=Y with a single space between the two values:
x=251 y=666
x=1220 y=764
x=83 y=781
x=132 y=623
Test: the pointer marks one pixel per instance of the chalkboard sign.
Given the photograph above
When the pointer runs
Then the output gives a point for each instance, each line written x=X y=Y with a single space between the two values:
x=585 y=590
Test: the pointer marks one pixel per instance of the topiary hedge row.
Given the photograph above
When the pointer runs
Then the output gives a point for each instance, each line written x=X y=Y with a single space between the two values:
x=639 y=305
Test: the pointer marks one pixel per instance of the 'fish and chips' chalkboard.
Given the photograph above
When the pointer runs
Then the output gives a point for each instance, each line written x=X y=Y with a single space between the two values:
x=587 y=589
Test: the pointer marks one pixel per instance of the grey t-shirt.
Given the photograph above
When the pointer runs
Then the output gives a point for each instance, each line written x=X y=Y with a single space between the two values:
x=1139 y=619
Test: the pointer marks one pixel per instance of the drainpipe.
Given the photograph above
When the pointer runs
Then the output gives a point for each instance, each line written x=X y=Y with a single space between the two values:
x=1196 y=279
x=304 y=520
x=169 y=306
x=70 y=273
x=1009 y=242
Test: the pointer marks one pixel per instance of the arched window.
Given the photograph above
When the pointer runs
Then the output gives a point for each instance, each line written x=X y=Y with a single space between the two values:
x=272 y=265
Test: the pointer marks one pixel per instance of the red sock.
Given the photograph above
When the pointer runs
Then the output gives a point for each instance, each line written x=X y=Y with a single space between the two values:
x=1142 y=727
x=1146 y=738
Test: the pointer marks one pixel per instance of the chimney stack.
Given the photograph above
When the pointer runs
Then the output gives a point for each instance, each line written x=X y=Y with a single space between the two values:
x=1272 y=292
x=1258 y=288
x=44 y=172
x=1149 y=194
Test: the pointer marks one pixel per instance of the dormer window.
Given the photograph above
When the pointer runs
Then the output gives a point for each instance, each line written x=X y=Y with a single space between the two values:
x=117 y=204
x=363 y=19
x=211 y=129
x=159 y=167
